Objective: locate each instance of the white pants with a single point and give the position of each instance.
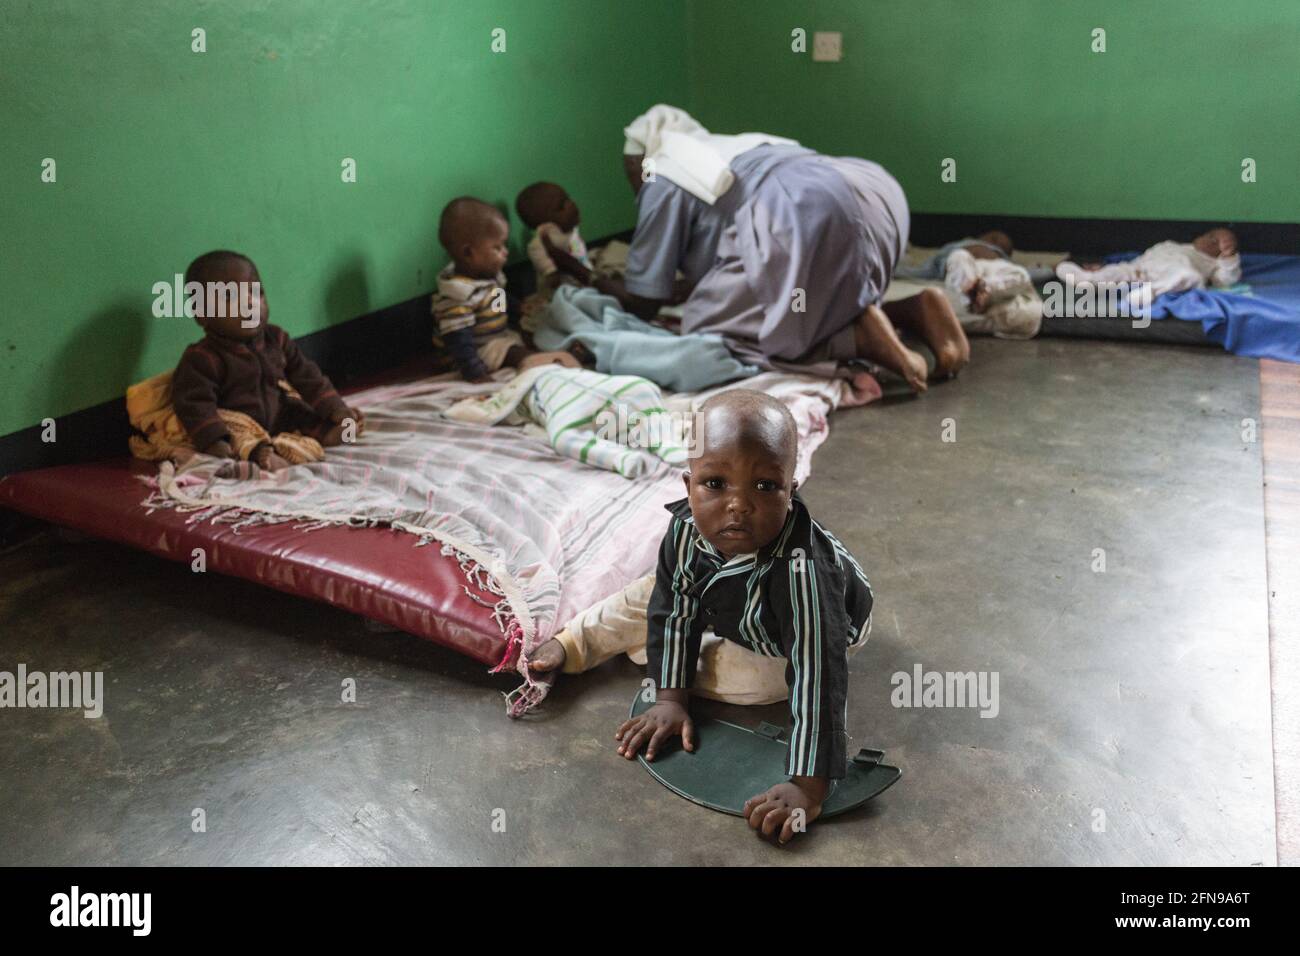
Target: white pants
(727, 671)
(493, 352)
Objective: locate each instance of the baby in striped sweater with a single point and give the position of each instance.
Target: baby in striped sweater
(470, 306)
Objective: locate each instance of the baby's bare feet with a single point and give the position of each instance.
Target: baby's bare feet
(548, 358)
(547, 657)
(270, 461)
(978, 296)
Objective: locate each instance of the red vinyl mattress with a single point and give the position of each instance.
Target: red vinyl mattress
(375, 572)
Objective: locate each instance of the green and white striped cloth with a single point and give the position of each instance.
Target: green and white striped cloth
(615, 422)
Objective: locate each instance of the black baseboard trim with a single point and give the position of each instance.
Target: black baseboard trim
(365, 346)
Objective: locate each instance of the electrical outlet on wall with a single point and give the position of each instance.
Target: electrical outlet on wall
(828, 47)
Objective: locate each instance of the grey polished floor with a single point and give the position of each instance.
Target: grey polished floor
(1133, 704)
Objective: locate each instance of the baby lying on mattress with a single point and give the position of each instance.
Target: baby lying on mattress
(991, 294)
(244, 391)
(1211, 259)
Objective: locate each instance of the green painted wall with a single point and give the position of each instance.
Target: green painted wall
(1154, 128)
(163, 153)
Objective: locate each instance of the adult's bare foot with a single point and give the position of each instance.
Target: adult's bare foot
(547, 657)
(876, 341)
(930, 317)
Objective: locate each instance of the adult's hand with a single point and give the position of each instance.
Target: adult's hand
(644, 309)
(567, 263)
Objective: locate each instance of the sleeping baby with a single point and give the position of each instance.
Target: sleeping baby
(990, 293)
(1211, 259)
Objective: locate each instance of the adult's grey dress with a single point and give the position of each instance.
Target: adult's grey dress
(785, 260)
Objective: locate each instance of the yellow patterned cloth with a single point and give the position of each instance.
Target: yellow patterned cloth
(162, 436)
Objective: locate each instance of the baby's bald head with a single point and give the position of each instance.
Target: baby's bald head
(464, 220)
(741, 478)
(475, 234)
(749, 419)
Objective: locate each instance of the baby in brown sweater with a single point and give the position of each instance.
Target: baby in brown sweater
(245, 364)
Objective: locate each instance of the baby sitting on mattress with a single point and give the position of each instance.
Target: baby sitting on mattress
(753, 602)
(247, 366)
(547, 209)
(470, 306)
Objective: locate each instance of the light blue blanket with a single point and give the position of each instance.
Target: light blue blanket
(625, 345)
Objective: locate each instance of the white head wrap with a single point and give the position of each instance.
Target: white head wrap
(682, 151)
(645, 134)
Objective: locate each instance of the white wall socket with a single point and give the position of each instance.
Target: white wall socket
(828, 47)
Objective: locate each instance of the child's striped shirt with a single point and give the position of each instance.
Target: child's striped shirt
(802, 597)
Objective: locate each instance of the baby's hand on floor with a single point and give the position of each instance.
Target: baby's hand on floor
(220, 449)
(787, 808)
(656, 727)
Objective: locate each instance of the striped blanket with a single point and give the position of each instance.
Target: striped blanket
(615, 422)
(552, 535)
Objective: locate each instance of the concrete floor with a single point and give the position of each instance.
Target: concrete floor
(1141, 692)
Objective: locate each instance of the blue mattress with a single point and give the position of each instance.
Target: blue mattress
(1260, 317)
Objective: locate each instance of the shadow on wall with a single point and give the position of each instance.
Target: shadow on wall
(346, 296)
(107, 347)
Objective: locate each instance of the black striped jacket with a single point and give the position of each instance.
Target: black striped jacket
(802, 597)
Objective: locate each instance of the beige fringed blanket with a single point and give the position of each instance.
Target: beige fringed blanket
(548, 535)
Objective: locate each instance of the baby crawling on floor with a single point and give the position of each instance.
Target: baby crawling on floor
(753, 601)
